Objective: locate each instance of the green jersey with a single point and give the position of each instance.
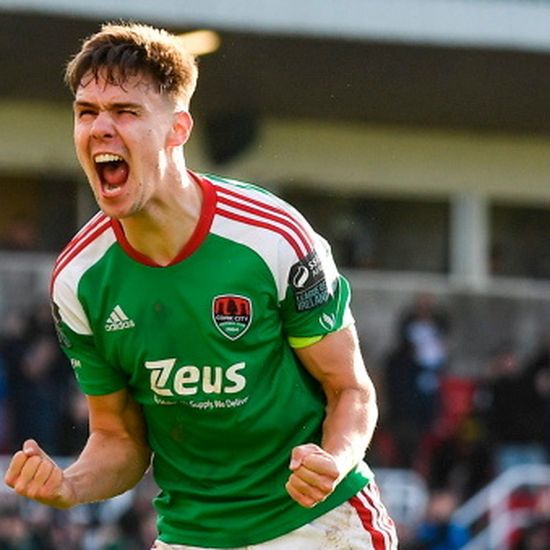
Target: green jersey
(203, 346)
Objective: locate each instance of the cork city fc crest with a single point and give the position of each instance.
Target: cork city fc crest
(232, 314)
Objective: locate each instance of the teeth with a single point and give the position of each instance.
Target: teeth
(107, 157)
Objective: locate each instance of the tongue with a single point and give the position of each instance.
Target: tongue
(115, 173)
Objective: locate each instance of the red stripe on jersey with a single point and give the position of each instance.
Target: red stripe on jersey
(281, 215)
(275, 218)
(366, 514)
(195, 240)
(250, 221)
(100, 217)
(82, 243)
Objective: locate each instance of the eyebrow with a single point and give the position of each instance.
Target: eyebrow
(110, 106)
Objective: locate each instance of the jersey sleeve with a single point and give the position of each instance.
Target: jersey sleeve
(317, 297)
(93, 374)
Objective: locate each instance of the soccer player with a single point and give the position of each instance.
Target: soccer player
(209, 328)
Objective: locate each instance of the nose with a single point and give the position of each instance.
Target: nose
(103, 127)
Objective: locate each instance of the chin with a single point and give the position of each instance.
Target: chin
(112, 211)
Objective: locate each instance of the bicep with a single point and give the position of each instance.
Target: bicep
(336, 362)
(116, 414)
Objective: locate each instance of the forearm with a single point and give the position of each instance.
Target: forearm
(349, 425)
(351, 411)
(108, 466)
(350, 419)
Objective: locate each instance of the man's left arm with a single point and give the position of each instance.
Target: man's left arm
(351, 416)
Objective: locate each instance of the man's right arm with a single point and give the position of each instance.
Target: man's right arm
(114, 459)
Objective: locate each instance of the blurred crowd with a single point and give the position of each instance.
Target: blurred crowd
(458, 434)
(124, 523)
(39, 399)
(461, 433)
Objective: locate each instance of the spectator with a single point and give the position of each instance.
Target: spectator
(538, 370)
(4, 430)
(513, 411)
(19, 234)
(426, 328)
(461, 460)
(74, 423)
(12, 348)
(437, 531)
(400, 374)
(37, 375)
(14, 533)
(536, 536)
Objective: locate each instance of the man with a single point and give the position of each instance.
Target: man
(209, 328)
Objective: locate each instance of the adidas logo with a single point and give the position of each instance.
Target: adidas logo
(118, 320)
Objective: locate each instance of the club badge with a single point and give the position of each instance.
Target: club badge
(232, 315)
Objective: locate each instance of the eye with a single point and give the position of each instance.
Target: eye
(130, 112)
(82, 113)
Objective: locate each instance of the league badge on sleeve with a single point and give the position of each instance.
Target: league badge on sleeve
(232, 314)
(307, 280)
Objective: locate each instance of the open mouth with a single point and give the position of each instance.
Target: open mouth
(113, 172)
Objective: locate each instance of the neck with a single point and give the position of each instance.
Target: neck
(161, 230)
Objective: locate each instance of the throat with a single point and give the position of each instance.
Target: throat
(114, 174)
(162, 245)
(168, 227)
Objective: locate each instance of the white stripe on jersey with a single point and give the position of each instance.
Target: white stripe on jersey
(67, 279)
(290, 233)
(270, 207)
(93, 224)
(268, 245)
(277, 250)
(381, 522)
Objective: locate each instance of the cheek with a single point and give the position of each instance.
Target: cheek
(81, 150)
(79, 138)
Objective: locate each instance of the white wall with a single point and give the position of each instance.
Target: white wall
(37, 137)
(513, 24)
(393, 160)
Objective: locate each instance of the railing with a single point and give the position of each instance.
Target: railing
(105, 512)
(491, 506)
(478, 323)
(24, 279)
(404, 493)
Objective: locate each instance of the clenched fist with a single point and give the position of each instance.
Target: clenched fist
(33, 474)
(314, 477)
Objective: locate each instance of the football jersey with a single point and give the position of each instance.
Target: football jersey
(202, 344)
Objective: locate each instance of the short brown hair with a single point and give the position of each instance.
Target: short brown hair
(122, 50)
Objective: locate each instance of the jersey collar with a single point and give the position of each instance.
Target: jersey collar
(199, 234)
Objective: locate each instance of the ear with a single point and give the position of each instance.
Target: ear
(181, 129)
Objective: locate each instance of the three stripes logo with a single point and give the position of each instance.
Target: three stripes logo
(118, 320)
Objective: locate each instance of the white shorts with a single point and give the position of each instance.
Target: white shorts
(362, 523)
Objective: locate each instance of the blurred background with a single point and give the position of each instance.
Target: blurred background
(415, 136)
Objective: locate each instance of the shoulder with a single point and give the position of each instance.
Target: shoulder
(274, 230)
(243, 208)
(83, 250)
